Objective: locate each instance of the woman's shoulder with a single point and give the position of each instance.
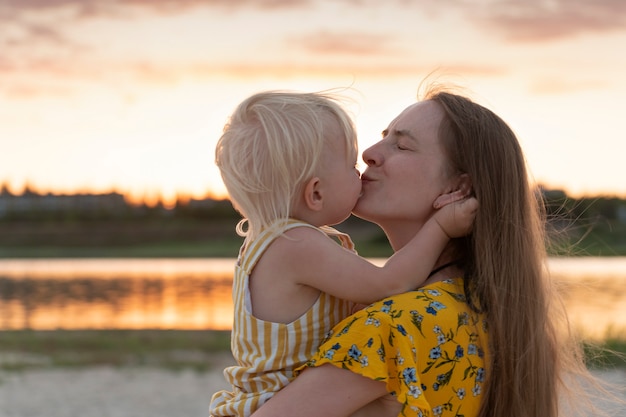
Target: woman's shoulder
(449, 289)
(432, 309)
(435, 302)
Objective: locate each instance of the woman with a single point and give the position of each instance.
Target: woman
(491, 346)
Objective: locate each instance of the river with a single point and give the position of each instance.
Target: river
(194, 294)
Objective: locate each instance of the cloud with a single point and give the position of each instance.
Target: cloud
(329, 70)
(29, 35)
(23, 8)
(185, 4)
(47, 33)
(558, 86)
(541, 20)
(514, 20)
(120, 8)
(352, 43)
(28, 90)
(44, 54)
(51, 78)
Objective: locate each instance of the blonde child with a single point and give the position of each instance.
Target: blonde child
(288, 161)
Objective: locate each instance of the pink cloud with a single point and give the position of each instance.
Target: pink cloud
(556, 85)
(540, 20)
(352, 43)
(92, 8)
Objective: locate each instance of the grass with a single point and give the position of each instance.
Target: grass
(169, 349)
(226, 247)
(215, 248)
(608, 354)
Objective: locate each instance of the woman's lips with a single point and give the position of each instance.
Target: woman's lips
(366, 179)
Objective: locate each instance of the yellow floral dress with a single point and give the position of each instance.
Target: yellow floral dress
(428, 346)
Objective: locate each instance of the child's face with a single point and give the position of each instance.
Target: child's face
(343, 180)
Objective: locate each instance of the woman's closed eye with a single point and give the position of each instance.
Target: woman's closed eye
(401, 145)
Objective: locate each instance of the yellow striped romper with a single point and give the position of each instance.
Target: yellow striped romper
(268, 353)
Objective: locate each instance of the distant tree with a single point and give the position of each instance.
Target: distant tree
(5, 189)
(28, 190)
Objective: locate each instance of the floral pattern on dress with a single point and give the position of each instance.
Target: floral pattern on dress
(427, 345)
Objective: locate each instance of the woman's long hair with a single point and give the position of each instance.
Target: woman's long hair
(505, 264)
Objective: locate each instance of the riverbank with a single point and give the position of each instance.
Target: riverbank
(99, 391)
(137, 373)
(174, 350)
(149, 238)
(105, 390)
(160, 349)
(171, 237)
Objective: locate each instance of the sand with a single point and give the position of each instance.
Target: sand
(109, 392)
(129, 392)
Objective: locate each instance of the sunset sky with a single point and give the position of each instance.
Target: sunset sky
(131, 95)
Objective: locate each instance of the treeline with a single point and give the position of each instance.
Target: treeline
(559, 204)
(576, 226)
(561, 208)
(111, 206)
(585, 226)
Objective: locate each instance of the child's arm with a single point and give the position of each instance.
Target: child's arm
(320, 263)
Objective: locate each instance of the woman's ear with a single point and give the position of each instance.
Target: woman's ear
(313, 194)
(464, 184)
(462, 188)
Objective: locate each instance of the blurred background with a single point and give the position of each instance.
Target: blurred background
(131, 96)
(116, 235)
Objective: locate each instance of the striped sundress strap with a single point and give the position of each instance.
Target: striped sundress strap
(252, 253)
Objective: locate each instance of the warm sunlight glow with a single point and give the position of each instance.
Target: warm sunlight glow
(110, 100)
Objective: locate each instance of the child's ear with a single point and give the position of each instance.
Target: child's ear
(313, 194)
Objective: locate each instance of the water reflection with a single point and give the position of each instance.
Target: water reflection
(115, 294)
(594, 292)
(195, 294)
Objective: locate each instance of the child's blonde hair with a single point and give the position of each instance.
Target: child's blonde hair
(271, 146)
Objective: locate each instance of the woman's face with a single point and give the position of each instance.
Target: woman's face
(407, 171)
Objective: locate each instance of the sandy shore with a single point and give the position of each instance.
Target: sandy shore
(110, 392)
(130, 392)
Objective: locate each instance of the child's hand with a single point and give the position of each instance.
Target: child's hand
(456, 218)
(449, 198)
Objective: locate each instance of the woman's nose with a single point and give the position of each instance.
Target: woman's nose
(372, 156)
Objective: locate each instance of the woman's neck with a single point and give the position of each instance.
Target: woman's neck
(399, 236)
(445, 271)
